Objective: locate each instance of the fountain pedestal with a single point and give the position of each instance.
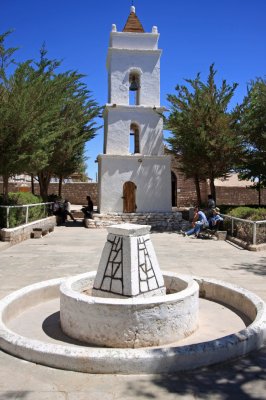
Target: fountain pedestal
(128, 265)
(129, 303)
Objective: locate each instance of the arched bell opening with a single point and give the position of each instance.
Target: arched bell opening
(134, 88)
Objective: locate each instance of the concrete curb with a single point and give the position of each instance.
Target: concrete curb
(245, 245)
(136, 361)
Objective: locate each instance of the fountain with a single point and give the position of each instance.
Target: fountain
(129, 317)
(126, 304)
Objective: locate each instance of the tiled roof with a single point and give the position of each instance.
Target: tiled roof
(133, 24)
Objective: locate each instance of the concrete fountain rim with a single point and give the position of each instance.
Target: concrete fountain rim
(135, 361)
(68, 287)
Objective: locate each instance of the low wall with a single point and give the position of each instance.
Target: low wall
(171, 221)
(23, 232)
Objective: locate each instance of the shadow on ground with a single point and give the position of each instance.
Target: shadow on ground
(244, 379)
(258, 268)
(17, 394)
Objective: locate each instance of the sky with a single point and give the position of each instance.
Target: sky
(193, 35)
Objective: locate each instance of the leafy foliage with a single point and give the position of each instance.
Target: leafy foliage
(17, 216)
(253, 129)
(203, 131)
(250, 213)
(46, 118)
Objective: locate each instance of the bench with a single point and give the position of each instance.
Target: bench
(37, 233)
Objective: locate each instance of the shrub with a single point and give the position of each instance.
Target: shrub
(244, 230)
(17, 216)
(252, 214)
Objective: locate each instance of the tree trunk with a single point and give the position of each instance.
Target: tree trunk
(259, 190)
(213, 190)
(60, 185)
(32, 184)
(197, 186)
(44, 180)
(5, 188)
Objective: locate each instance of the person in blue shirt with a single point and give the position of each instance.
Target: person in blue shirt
(215, 219)
(199, 222)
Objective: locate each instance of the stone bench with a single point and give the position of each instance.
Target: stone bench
(39, 232)
(36, 233)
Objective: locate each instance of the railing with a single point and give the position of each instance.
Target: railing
(252, 232)
(12, 216)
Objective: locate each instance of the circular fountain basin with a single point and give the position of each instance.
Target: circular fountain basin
(163, 359)
(130, 322)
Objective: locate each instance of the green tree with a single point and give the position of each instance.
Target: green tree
(253, 129)
(67, 125)
(204, 133)
(25, 104)
(7, 144)
(46, 119)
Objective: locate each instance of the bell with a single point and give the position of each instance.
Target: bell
(134, 85)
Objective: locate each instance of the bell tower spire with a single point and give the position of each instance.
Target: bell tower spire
(134, 173)
(133, 24)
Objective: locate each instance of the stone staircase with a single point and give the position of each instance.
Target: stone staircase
(159, 221)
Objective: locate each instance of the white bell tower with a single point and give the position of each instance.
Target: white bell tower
(134, 173)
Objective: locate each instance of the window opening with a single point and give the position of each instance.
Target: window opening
(134, 139)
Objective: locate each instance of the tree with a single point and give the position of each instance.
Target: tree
(67, 125)
(46, 119)
(204, 133)
(7, 144)
(253, 129)
(24, 106)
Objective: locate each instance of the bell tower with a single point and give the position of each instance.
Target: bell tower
(134, 173)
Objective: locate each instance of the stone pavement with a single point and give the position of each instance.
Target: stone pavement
(71, 250)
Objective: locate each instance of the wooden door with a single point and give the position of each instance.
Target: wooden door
(129, 196)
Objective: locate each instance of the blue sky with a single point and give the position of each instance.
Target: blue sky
(193, 34)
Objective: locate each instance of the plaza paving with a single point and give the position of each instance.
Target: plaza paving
(71, 250)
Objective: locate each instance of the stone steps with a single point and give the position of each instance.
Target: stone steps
(159, 221)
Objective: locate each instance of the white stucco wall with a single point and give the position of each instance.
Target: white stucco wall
(146, 62)
(117, 130)
(152, 177)
(132, 40)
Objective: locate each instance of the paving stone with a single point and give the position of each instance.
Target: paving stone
(69, 251)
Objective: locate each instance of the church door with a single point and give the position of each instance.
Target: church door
(129, 196)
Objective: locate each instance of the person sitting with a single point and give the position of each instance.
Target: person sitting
(67, 211)
(216, 219)
(199, 222)
(210, 206)
(58, 210)
(88, 210)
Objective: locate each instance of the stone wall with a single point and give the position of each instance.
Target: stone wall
(186, 194)
(228, 195)
(171, 221)
(75, 192)
(239, 196)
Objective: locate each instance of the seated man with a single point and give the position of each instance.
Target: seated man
(199, 222)
(210, 206)
(88, 211)
(216, 219)
(67, 211)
